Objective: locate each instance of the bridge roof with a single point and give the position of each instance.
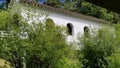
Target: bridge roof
(66, 12)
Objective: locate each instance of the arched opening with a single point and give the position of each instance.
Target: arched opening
(49, 23)
(70, 29)
(86, 31)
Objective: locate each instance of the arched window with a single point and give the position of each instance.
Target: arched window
(70, 28)
(50, 23)
(86, 31)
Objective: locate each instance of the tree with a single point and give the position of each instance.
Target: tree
(49, 48)
(34, 45)
(101, 49)
(96, 11)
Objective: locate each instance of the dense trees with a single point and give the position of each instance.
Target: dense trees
(43, 45)
(99, 12)
(81, 6)
(101, 50)
(4, 4)
(34, 45)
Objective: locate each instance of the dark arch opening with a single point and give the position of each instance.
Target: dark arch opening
(70, 29)
(86, 31)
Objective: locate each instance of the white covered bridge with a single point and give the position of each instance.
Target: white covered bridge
(76, 23)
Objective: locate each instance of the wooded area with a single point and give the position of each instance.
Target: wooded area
(86, 8)
(79, 6)
(43, 44)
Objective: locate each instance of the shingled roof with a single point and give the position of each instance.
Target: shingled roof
(63, 11)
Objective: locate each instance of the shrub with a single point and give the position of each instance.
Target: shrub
(34, 45)
(5, 64)
(99, 50)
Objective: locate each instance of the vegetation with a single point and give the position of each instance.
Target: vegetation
(101, 50)
(34, 45)
(99, 12)
(81, 6)
(86, 8)
(43, 44)
(4, 4)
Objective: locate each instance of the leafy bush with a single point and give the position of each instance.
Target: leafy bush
(5, 64)
(34, 45)
(48, 46)
(68, 63)
(100, 50)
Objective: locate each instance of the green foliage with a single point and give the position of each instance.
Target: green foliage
(96, 11)
(70, 6)
(48, 46)
(53, 2)
(35, 45)
(49, 23)
(4, 17)
(67, 5)
(101, 50)
(113, 61)
(87, 8)
(43, 45)
(67, 63)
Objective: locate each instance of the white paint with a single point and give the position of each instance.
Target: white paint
(63, 20)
